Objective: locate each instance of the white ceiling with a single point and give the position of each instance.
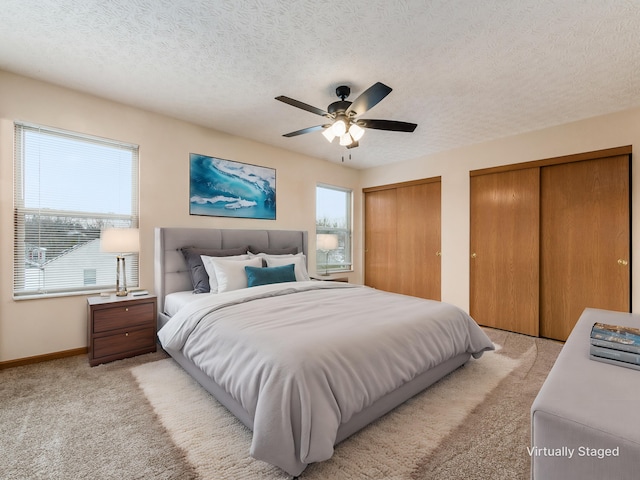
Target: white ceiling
(466, 71)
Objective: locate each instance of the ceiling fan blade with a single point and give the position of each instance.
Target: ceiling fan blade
(305, 130)
(392, 125)
(369, 98)
(302, 105)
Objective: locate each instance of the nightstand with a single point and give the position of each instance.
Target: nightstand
(120, 327)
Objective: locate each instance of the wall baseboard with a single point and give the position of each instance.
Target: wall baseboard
(43, 358)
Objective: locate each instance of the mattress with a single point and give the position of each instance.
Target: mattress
(176, 300)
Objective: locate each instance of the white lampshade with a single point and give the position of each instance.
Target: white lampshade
(326, 241)
(356, 131)
(328, 134)
(346, 139)
(339, 128)
(120, 240)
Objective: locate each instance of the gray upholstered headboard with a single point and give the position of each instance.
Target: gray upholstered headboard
(170, 268)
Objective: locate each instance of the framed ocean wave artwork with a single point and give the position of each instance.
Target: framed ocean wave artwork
(224, 188)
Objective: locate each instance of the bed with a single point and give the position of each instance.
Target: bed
(304, 364)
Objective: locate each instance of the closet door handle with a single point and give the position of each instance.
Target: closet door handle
(438, 254)
(622, 262)
(474, 255)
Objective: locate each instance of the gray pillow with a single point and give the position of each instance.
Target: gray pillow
(199, 277)
(273, 251)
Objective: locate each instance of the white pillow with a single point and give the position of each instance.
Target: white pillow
(299, 260)
(231, 275)
(265, 255)
(208, 266)
(268, 255)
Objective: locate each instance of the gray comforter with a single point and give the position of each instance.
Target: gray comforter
(303, 357)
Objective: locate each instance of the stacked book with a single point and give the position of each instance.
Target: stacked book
(616, 345)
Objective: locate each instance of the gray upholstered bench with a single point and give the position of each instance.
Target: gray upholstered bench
(585, 421)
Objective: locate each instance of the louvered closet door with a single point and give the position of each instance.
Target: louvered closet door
(505, 250)
(585, 241)
(380, 239)
(418, 256)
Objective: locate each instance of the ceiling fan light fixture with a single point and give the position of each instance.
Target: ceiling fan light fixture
(339, 127)
(328, 134)
(356, 132)
(346, 139)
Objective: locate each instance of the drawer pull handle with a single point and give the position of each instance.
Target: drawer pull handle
(126, 334)
(126, 309)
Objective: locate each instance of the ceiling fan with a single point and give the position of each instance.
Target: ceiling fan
(342, 116)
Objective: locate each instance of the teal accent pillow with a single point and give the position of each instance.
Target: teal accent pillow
(264, 276)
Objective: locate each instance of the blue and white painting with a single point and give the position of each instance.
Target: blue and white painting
(224, 188)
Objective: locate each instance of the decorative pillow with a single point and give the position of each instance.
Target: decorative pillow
(230, 273)
(298, 260)
(211, 271)
(265, 276)
(273, 251)
(264, 256)
(199, 277)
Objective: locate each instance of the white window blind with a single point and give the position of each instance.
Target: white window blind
(67, 187)
(333, 217)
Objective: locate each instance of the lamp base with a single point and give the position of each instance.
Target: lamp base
(121, 290)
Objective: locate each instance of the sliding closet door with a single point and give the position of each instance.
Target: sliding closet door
(380, 239)
(418, 224)
(585, 238)
(402, 237)
(505, 250)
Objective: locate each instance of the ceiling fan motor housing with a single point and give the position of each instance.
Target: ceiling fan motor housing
(341, 106)
(338, 107)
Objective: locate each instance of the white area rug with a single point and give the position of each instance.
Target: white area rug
(217, 444)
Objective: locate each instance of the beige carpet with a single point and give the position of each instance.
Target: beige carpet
(65, 420)
(492, 441)
(217, 445)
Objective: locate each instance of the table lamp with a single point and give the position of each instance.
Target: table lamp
(121, 241)
(325, 242)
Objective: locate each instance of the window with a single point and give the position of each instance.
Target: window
(67, 187)
(90, 276)
(333, 229)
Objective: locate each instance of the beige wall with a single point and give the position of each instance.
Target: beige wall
(36, 327)
(41, 326)
(598, 133)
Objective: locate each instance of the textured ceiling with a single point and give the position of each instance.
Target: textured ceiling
(466, 71)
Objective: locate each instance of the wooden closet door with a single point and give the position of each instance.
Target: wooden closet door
(418, 255)
(380, 239)
(505, 250)
(585, 237)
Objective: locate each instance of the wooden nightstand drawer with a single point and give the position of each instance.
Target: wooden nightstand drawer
(123, 316)
(129, 341)
(120, 327)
